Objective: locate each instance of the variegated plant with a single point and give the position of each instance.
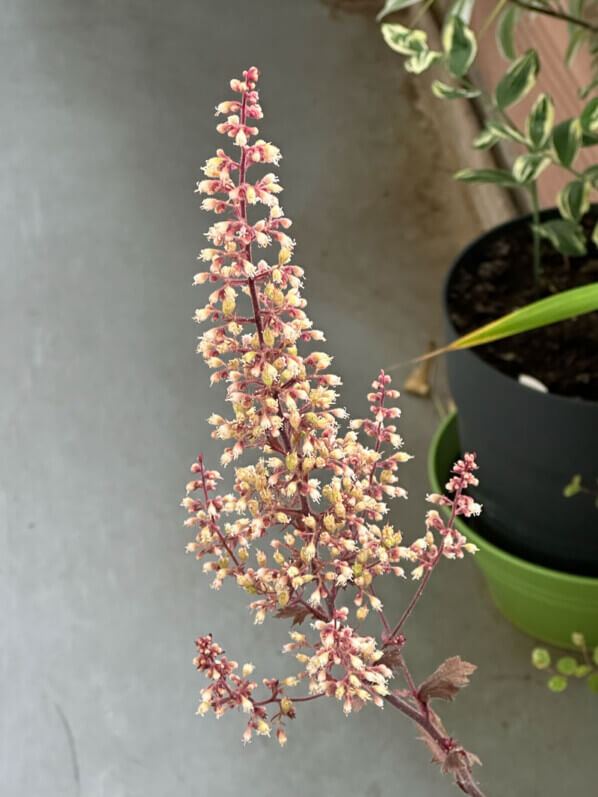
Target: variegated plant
(546, 143)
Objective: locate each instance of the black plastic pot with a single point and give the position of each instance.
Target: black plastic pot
(529, 445)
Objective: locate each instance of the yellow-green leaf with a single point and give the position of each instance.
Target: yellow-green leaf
(459, 45)
(518, 79)
(567, 304)
(539, 123)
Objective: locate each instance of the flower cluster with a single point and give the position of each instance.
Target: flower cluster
(307, 521)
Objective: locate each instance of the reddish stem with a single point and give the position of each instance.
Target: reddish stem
(463, 776)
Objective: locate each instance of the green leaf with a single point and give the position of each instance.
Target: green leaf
(419, 62)
(566, 665)
(591, 174)
(593, 682)
(571, 489)
(595, 656)
(394, 5)
(575, 40)
(574, 199)
(507, 132)
(566, 236)
(566, 304)
(403, 40)
(505, 32)
(540, 658)
(540, 121)
(582, 670)
(588, 118)
(588, 139)
(459, 44)
(498, 176)
(518, 79)
(527, 167)
(486, 139)
(557, 683)
(566, 140)
(446, 92)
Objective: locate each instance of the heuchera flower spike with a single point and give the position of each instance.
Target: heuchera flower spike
(309, 517)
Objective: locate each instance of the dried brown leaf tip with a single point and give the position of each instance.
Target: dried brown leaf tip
(452, 675)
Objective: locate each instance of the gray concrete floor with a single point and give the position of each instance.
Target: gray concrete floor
(106, 119)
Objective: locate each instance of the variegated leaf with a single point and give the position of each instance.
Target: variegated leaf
(518, 80)
(540, 121)
(446, 92)
(566, 236)
(505, 31)
(566, 141)
(589, 117)
(459, 44)
(394, 5)
(574, 200)
(498, 176)
(527, 167)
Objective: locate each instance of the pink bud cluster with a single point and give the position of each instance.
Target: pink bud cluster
(307, 522)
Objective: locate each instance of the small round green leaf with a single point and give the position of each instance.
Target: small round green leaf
(566, 141)
(557, 683)
(518, 79)
(540, 121)
(566, 665)
(582, 670)
(569, 491)
(589, 117)
(593, 682)
(459, 44)
(577, 637)
(540, 658)
(574, 199)
(566, 236)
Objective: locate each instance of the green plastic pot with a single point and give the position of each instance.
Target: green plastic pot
(546, 604)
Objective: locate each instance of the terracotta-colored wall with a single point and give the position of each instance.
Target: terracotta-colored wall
(549, 38)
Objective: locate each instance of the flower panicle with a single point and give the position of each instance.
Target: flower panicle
(307, 522)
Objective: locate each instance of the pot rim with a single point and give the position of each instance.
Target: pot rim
(510, 559)
(505, 225)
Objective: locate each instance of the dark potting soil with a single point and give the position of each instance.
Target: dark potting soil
(497, 278)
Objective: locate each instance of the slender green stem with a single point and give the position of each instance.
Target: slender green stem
(533, 190)
(582, 23)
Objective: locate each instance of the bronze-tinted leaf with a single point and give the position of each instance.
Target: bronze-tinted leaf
(446, 680)
(297, 613)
